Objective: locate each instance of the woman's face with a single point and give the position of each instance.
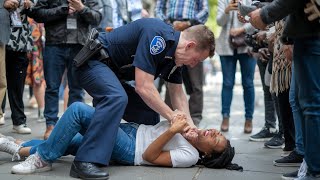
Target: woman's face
(211, 140)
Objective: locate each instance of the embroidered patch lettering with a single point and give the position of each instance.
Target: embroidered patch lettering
(157, 45)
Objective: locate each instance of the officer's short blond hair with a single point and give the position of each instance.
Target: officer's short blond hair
(203, 36)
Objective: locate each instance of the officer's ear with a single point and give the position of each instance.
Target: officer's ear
(190, 45)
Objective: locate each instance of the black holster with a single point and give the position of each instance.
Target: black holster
(92, 47)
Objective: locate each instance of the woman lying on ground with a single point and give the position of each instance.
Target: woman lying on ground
(160, 145)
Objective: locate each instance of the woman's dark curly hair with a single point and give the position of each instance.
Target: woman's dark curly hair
(220, 160)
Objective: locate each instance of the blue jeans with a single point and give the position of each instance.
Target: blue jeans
(297, 114)
(56, 59)
(66, 137)
(306, 56)
(228, 65)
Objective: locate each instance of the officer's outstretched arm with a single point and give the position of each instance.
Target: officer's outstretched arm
(179, 100)
(148, 92)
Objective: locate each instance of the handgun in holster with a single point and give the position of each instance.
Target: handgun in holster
(91, 48)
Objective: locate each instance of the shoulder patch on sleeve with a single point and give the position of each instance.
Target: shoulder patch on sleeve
(157, 45)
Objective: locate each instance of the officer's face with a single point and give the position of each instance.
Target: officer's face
(190, 56)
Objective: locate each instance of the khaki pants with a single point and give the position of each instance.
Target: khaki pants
(3, 81)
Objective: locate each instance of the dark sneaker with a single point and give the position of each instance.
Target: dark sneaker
(264, 135)
(293, 159)
(290, 176)
(276, 142)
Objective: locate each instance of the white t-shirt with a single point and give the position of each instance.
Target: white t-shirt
(182, 153)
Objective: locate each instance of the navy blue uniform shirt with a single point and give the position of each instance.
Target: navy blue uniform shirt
(148, 44)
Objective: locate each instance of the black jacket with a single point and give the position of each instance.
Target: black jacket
(297, 24)
(54, 13)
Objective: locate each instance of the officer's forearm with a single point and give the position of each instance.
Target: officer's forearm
(179, 100)
(151, 97)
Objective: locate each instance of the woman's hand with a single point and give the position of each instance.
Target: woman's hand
(177, 114)
(232, 6)
(179, 124)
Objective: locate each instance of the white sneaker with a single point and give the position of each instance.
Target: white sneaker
(2, 121)
(8, 137)
(10, 147)
(21, 129)
(303, 169)
(32, 164)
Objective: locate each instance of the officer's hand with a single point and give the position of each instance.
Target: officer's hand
(76, 5)
(255, 19)
(11, 4)
(177, 114)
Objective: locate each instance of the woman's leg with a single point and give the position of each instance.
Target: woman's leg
(75, 119)
(29, 147)
(248, 65)
(228, 66)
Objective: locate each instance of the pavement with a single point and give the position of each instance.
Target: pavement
(256, 160)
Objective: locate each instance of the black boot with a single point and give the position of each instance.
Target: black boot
(87, 170)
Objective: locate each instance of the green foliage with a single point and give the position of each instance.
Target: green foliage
(212, 23)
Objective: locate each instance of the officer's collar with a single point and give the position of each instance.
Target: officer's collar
(172, 50)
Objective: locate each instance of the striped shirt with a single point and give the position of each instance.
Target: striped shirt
(196, 10)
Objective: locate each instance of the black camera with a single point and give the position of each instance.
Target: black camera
(251, 40)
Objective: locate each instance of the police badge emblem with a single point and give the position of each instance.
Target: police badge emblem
(157, 45)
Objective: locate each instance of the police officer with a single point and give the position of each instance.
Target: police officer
(139, 51)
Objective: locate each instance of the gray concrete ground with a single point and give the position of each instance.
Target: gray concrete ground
(256, 160)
